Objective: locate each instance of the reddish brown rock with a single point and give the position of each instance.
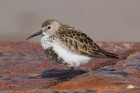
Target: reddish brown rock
(112, 78)
(134, 90)
(24, 66)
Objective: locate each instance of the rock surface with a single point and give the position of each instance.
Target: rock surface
(24, 68)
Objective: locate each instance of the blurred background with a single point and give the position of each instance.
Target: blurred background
(102, 20)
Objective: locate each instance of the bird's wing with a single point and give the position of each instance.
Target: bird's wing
(80, 43)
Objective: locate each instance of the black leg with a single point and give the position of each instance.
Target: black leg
(70, 72)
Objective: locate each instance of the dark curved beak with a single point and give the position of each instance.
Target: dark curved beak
(36, 34)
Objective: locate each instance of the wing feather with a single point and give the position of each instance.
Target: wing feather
(80, 43)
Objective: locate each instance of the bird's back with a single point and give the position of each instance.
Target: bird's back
(78, 42)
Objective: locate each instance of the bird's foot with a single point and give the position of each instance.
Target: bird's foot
(64, 78)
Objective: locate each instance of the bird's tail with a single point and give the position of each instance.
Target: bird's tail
(110, 55)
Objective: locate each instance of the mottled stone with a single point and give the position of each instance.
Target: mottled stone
(111, 78)
(24, 68)
(49, 91)
(134, 90)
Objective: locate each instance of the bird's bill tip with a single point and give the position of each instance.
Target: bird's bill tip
(35, 34)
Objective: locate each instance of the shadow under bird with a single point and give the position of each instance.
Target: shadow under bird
(68, 46)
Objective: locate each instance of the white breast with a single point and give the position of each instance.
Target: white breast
(68, 56)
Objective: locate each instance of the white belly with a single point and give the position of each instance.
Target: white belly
(68, 56)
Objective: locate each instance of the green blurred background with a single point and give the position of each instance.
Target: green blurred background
(102, 20)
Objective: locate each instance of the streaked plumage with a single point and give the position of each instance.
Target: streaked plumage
(69, 46)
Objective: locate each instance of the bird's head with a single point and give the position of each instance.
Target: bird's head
(48, 27)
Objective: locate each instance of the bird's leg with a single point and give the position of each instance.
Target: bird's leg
(70, 72)
(69, 75)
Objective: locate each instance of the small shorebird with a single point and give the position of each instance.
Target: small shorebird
(68, 46)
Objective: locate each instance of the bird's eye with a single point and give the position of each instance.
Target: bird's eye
(49, 27)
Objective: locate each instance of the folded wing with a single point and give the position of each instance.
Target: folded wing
(80, 43)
